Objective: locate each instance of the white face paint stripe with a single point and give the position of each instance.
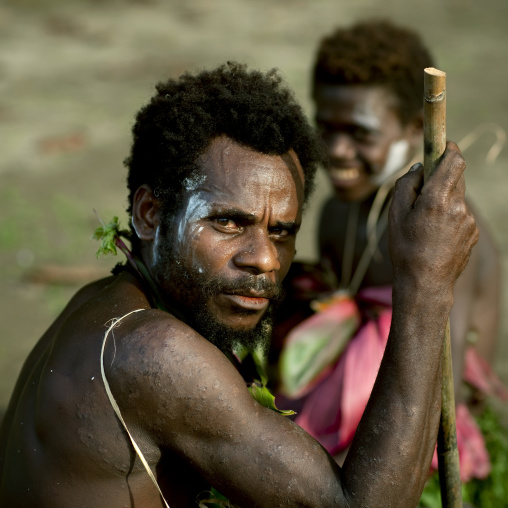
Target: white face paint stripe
(397, 157)
(197, 208)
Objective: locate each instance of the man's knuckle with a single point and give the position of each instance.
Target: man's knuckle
(459, 210)
(436, 203)
(458, 162)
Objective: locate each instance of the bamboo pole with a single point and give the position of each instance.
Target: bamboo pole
(434, 131)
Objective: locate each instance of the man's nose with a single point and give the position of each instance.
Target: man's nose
(341, 146)
(259, 255)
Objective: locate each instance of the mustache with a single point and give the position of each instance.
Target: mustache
(261, 286)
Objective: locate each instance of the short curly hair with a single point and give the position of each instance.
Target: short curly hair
(375, 52)
(253, 108)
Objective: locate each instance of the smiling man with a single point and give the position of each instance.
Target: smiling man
(367, 88)
(134, 396)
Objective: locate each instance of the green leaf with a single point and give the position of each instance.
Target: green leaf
(262, 395)
(214, 499)
(107, 234)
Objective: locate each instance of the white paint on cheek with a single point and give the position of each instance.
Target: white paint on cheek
(196, 209)
(397, 157)
(156, 246)
(188, 228)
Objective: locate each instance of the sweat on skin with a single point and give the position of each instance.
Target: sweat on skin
(185, 403)
(249, 218)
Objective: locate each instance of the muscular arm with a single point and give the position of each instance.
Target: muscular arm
(196, 404)
(404, 433)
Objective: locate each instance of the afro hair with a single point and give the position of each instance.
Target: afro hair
(173, 130)
(376, 52)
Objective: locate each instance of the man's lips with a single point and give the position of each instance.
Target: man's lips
(250, 301)
(344, 177)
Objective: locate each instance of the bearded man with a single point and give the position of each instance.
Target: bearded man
(135, 395)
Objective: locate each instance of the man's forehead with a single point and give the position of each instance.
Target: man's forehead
(361, 99)
(234, 177)
(225, 156)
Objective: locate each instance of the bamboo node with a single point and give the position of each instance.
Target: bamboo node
(435, 98)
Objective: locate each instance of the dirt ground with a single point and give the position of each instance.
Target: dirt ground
(73, 73)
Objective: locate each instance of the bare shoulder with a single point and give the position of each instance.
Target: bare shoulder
(180, 390)
(168, 362)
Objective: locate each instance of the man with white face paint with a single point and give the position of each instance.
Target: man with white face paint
(368, 95)
(148, 390)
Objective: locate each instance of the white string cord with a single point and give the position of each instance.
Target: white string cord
(115, 322)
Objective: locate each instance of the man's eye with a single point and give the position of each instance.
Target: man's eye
(226, 223)
(281, 232)
(361, 134)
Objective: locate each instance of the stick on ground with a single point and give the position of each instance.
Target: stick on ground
(434, 131)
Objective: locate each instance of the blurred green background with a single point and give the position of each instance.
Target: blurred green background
(73, 73)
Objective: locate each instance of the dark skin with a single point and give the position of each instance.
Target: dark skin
(362, 129)
(184, 402)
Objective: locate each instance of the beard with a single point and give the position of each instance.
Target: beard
(228, 339)
(188, 290)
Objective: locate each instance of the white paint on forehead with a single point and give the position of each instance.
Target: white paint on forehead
(364, 114)
(193, 182)
(397, 157)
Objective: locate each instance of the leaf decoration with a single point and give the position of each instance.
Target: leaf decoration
(263, 396)
(214, 499)
(258, 389)
(108, 235)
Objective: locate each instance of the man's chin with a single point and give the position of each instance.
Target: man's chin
(355, 194)
(249, 331)
(242, 322)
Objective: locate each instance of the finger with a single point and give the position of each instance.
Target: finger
(407, 188)
(448, 174)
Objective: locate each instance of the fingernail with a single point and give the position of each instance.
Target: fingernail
(416, 167)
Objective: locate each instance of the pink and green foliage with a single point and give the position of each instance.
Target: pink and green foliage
(313, 346)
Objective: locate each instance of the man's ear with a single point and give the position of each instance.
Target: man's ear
(145, 213)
